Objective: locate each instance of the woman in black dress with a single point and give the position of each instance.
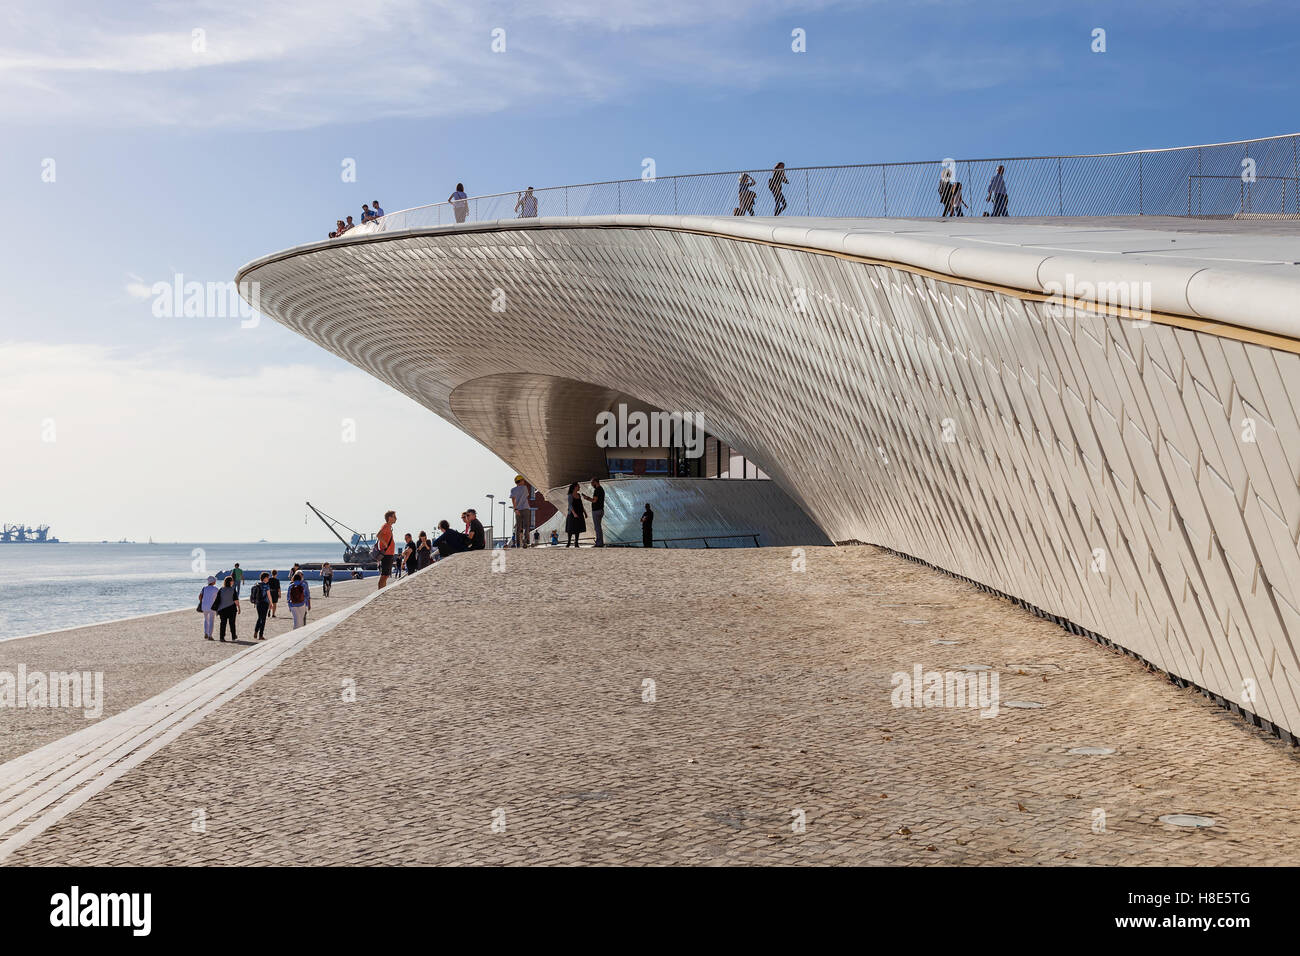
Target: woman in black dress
(648, 527)
(575, 522)
(423, 551)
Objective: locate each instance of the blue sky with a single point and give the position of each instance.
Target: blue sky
(171, 160)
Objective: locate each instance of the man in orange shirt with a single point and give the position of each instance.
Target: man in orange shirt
(387, 547)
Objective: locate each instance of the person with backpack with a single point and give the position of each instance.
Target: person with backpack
(227, 608)
(386, 548)
(299, 600)
(208, 597)
(273, 586)
(260, 595)
(326, 579)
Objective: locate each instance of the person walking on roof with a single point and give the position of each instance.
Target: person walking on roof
(998, 193)
(459, 202)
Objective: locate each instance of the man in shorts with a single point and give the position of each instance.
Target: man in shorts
(387, 547)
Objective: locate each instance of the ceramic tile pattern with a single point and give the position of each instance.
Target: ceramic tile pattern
(1140, 481)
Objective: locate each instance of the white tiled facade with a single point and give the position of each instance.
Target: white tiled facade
(1139, 481)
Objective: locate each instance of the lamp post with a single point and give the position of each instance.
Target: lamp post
(504, 532)
(489, 528)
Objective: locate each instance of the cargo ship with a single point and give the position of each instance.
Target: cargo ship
(22, 534)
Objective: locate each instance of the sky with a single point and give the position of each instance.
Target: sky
(147, 141)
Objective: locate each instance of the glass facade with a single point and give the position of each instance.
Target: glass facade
(719, 460)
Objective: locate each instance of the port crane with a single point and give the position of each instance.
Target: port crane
(22, 534)
(355, 551)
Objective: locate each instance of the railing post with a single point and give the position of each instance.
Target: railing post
(807, 203)
(674, 195)
(884, 188)
(1060, 192)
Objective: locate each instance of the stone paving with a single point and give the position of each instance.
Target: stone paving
(138, 656)
(503, 718)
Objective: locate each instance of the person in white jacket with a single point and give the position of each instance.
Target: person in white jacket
(207, 598)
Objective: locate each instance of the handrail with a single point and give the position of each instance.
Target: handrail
(706, 538)
(1132, 182)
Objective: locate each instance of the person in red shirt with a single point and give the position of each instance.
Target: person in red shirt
(387, 547)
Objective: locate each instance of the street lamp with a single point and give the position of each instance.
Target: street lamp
(504, 527)
(489, 529)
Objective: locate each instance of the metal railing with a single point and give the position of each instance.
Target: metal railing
(1216, 180)
(706, 538)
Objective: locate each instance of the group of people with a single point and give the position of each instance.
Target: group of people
(222, 603)
(776, 184)
(950, 194)
(422, 551)
(368, 214)
(575, 519)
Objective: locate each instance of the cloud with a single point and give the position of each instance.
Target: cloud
(137, 288)
(169, 451)
(285, 64)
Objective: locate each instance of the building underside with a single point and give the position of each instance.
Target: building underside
(1130, 470)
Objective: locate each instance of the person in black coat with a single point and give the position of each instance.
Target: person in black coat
(648, 527)
(575, 522)
(450, 542)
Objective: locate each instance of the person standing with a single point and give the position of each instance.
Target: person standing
(227, 608)
(238, 575)
(207, 598)
(597, 499)
(326, 579)
(375, 207)
(459, 202)
(423, 551)
(775, 184)
(409, 556)
(575, 522)
(299, 600)
(526, 204)
(260, 595)
(387, 547)
(523, 511)
(477, 533)
(274, 585)
(648, 527)
(998, 193)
